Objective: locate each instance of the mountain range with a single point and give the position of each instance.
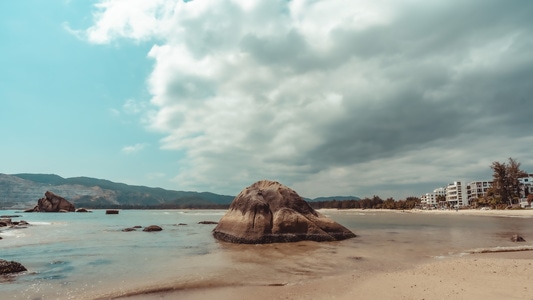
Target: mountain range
(21, 191)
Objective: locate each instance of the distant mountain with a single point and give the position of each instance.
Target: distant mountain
(338, 198)
(20, 191)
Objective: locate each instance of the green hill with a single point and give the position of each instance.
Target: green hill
(23, 191)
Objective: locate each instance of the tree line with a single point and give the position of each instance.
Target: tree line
(368, 203)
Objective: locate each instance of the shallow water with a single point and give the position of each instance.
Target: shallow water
(86, 255)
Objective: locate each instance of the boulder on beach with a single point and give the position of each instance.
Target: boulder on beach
(517, 238)
(9, 267)
(269, 212)
(52, 203)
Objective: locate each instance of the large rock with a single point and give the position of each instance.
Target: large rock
(52, 203)
(269, 212)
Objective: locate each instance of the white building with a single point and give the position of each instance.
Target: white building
(456, 195)
(476, 189)
(526, 187)
(430, 199)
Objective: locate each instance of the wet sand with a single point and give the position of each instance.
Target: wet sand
(480, 276)
(497, 275)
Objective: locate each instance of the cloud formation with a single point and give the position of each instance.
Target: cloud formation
(329, 97)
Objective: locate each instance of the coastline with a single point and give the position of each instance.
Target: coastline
(518, 213)
(505, 273)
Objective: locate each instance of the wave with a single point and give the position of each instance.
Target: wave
(13, 233)
(213, 213)
(501, 249)
(40, 223)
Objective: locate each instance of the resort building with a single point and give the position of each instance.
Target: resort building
(456, 195)
(430, 200)
(525, 185)
(459, 194)
(476, 189)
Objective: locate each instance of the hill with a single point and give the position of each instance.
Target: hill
(331, 198)
(20, 191)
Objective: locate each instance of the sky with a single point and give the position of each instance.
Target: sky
(371, 97)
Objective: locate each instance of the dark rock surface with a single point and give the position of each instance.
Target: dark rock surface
(5, 222)
(517, 238)
(9, 267)
(207, 222)
(269, 212)
(52, 203)
(152, 228)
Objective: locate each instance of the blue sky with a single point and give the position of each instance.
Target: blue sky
(393, 98)
(63, 98)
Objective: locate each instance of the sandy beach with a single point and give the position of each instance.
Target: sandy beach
(497, 275)
(479, 276)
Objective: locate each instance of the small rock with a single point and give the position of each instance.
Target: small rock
(207, 222)
(152, 228)
(517, 238)
(8, 267)
(5, 222)
(82, 210)
(137, 226)
(129, 229)
(111, 212)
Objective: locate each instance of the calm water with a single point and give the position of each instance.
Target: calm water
(86, 255)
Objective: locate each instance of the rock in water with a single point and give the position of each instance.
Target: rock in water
(152, 228)
(8, 267)
(52, 203)
(269, 212)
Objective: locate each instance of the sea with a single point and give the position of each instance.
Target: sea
(88, 256)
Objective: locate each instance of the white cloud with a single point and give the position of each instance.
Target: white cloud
(134, 148)
(328, 96)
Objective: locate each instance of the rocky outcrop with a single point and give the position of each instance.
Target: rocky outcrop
(52, 203)
(269, 212)
(9, 267)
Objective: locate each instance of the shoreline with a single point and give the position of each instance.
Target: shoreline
(517, 213)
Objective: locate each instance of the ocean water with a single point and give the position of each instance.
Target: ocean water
(87, 256)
